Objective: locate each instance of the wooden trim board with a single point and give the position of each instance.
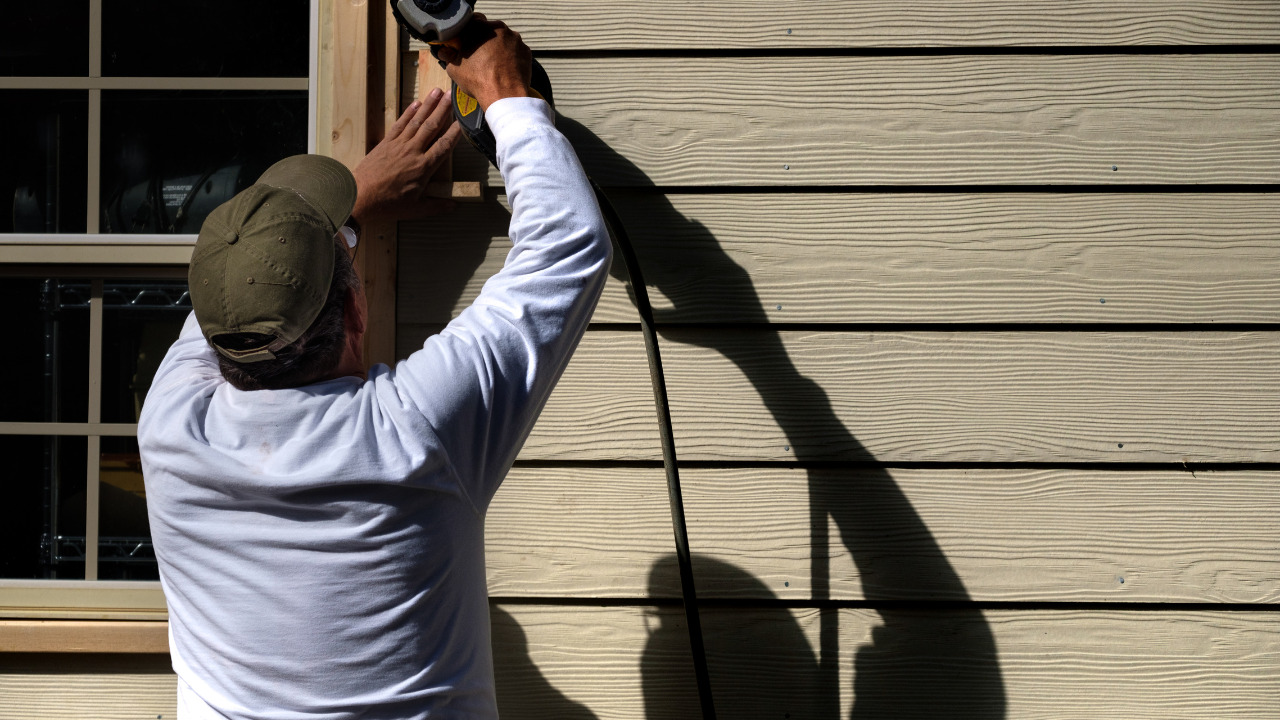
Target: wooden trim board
(83, 636)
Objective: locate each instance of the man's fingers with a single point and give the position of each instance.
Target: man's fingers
(429, 105)
(433, 125)
(402, 122)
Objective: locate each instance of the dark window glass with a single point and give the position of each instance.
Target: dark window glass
(206, 38)
(49, 365)
(141, 319)
(171, 157)
(44, 38)
(124, 535)
(42, 517)
(44, 150)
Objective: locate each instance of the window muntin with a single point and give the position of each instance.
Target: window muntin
(100, 532)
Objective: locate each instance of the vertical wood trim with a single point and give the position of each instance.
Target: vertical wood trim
(346, 47)
(431, 75)
(358, 97)
(313, 77)
(391, 70)
(377, 259)
(325, 78)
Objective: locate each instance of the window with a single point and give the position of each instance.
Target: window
(125, 123)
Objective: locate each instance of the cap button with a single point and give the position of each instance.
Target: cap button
(232, 240)
(250, 281)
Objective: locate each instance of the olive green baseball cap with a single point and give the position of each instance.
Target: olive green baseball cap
(263, 261)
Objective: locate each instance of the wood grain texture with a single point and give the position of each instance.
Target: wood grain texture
(342, 119)
(907, 397)
(767, 663)
(579, 532)
(762, 25)
(602, 408)
(83, 636)
(899, 258)
(633, 662)
(898, 534)
(87, 687)
(982, 397)
(920, 120)
(984, 534)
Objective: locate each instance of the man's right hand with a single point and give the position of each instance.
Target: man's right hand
(491, 62)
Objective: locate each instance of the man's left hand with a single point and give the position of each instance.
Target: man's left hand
(391, 181)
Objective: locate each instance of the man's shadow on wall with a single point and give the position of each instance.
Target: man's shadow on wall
(921, 662)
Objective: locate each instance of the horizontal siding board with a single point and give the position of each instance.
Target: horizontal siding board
(986, 535)
(579, 532)
(899, 258)
(632, 663)
(1022, 535)
(927, 396)
(87, 687)
(919, 120)
(764, 25)
(981, 397)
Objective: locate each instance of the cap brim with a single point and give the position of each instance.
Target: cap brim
(322, 181)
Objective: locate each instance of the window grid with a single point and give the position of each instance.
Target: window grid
(33, 247)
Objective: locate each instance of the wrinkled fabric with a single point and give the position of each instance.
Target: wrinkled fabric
(321, 548)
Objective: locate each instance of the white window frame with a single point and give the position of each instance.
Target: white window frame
(97, 255)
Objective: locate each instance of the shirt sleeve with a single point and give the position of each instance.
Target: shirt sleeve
(482, 382)
(189, 358)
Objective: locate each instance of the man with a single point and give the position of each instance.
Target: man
(319, 529)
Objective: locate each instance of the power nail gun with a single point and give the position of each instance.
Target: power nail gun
(440, 22)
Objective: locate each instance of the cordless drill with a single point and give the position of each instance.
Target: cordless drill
(440, 22)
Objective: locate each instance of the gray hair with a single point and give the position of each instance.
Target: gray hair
(313, 355)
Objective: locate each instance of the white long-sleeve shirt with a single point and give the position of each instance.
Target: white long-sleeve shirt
(321, 548)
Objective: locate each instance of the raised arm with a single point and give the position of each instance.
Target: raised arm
(482, 382)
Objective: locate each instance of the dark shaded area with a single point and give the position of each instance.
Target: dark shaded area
(42, 521)
(205, 38)
(44, 143)
(162, 176)
(761, 664)
(87, 664)
(49, 319)
(921, 664)
(43, 497)
(520, 685)
(44, 39)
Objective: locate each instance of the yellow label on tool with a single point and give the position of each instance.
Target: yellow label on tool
(466, 103)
